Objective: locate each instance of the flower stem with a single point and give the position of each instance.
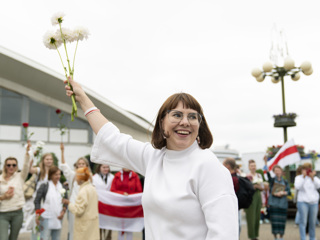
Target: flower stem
(65, 70)
(74, 57)
(74, 105)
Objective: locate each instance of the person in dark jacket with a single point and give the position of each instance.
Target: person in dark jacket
(52, 193)
(277, 201)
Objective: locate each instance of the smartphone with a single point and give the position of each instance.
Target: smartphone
(309, 171)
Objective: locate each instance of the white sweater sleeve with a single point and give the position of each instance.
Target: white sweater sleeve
(121, 150)
(67, 172)
(218, 201)
(316, 182)
(298, 182)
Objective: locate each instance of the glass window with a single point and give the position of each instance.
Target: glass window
(10, 110)
(77, 123)
(8, 93)
(55, 118)
(38, 114)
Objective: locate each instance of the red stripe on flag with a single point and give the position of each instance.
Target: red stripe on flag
(285, 153)
(120, 211)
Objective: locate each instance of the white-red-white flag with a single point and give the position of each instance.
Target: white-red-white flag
(119, 212)
(287, 155)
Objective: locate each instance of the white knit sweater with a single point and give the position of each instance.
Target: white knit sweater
(187, 195)
(16, 181)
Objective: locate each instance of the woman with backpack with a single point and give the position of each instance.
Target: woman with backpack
(277, 201)
(41, 176)
(51, 195)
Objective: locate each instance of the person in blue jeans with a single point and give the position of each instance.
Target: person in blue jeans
(308, 198)
(50, 195)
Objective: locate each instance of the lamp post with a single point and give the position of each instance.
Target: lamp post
(277, 74)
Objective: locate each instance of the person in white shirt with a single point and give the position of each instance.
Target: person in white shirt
(102, 179)
(308, 199)
(12, 197)
(41, 171)
(188, 193)
(74, 187)
(49, 197)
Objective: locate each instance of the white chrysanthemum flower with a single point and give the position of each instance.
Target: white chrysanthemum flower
(57, 18)
(81, 33)
(68, 34)
(40, 144)
(51, 40)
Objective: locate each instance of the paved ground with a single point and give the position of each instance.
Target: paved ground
(291, 233)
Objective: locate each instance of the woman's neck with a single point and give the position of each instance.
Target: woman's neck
(9, 175)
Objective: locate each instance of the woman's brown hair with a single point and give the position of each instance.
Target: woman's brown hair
(52, 171)
(98, 168)
(4, 172)
(158, 140)
(42, 167)
(277, 166)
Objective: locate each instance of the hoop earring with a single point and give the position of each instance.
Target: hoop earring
(198, 140)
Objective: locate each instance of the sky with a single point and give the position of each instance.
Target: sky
(140, 52)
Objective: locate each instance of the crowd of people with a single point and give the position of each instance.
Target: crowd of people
(187, 193)
(270, 202)
(51, 201)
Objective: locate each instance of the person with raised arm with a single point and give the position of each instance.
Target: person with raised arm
(11, 196)
(74, 187)
(307, 183)
(41, 171)
(278, 202)
(188, 193)
(85, 208)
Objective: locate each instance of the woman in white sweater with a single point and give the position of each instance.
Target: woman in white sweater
(188, 193)
(307, 184)
(12, 197)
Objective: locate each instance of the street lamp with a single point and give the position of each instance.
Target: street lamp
(277, 74)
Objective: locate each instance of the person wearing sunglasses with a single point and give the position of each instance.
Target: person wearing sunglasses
(12, 197)
(188, 194)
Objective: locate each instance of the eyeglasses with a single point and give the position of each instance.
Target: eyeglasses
(177, 116)
(11, 165)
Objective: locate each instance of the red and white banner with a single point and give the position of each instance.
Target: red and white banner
(287, 155)
(119, 212)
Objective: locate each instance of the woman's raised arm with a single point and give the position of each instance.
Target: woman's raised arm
(95, 119)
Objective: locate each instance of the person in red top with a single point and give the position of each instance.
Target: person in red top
(230, 164)
(126, 182)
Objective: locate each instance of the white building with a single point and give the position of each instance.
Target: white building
(31, 92)
(223, 152)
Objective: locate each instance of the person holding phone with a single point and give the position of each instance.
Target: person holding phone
(308, 198)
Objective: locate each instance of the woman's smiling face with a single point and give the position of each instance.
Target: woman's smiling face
(182, 134)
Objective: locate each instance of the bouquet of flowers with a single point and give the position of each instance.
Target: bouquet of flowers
(62, 127)
(256, 181)
(62, 36)
(26, 136)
